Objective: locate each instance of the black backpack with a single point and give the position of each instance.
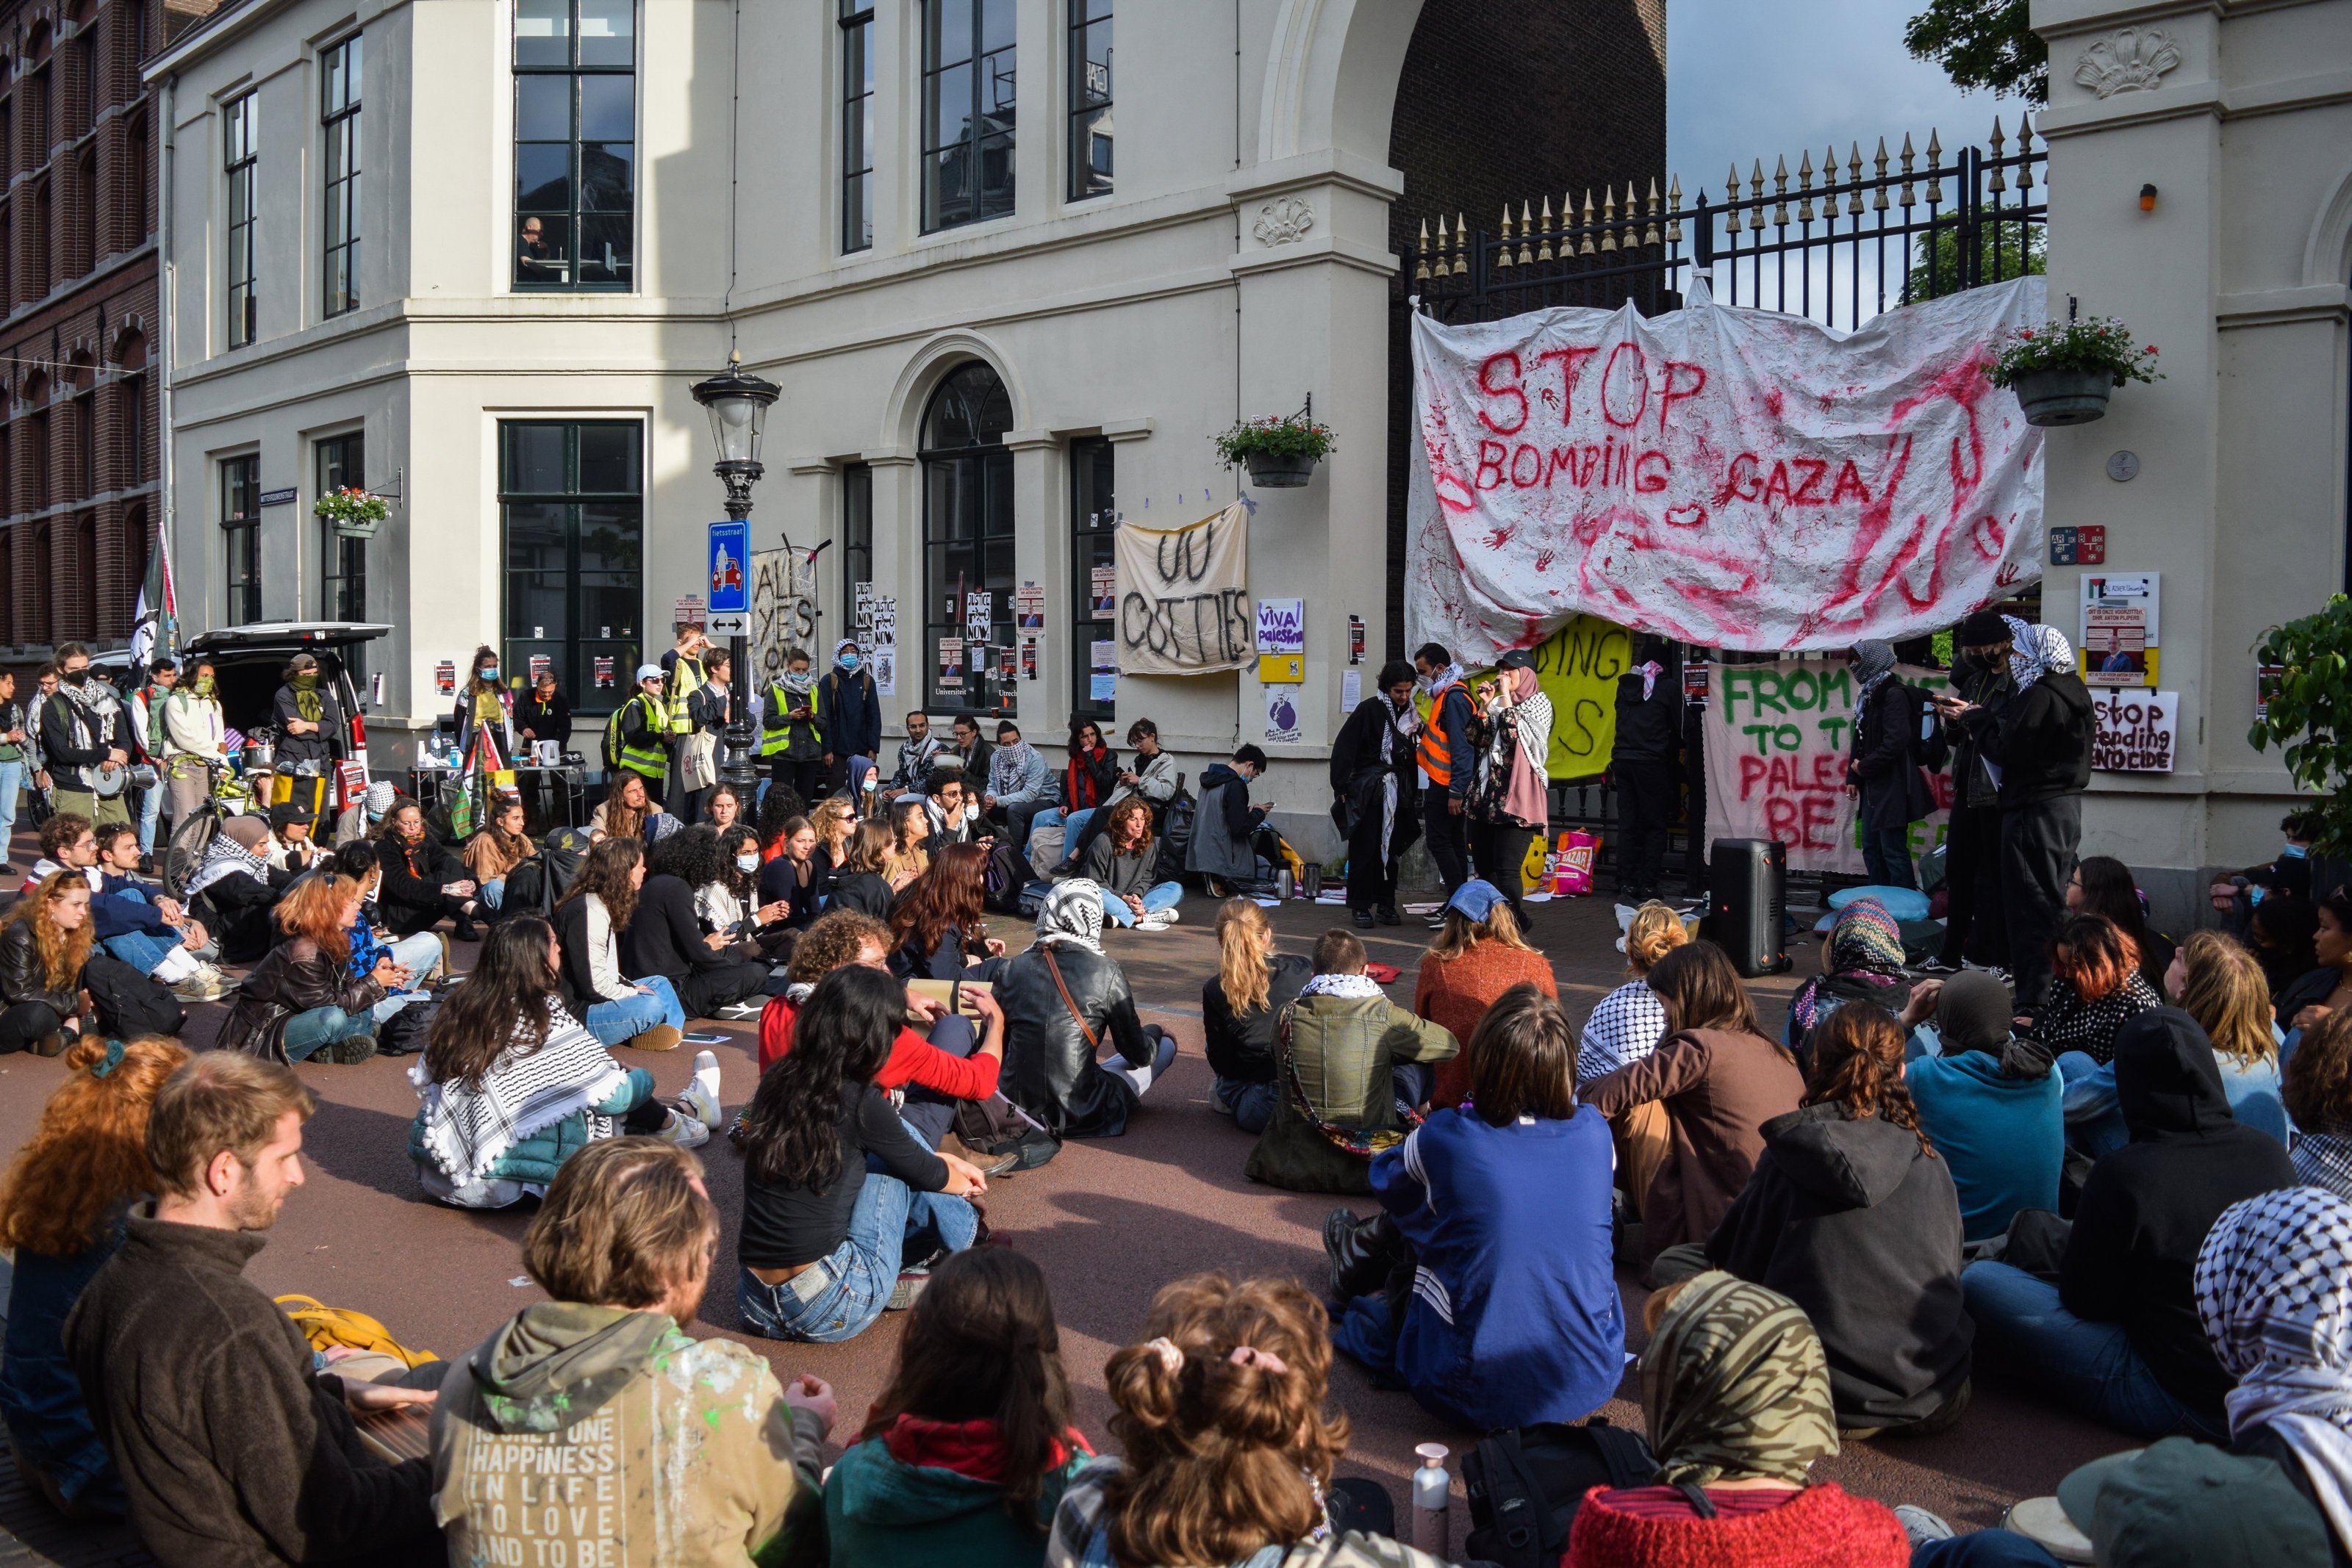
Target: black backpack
(1931, 747)
(1526, 1484)
(130, 1005)
(1176, 820)
(1008, 872)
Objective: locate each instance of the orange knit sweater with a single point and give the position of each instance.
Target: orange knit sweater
(1457, 991)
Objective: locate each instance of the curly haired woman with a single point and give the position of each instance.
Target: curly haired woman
(43, 949)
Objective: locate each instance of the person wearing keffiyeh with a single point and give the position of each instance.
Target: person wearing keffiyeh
(1510, 802)
(1884, 767)
(1082, 1060)
(1372, 783)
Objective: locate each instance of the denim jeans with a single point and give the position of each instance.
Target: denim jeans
(1166, 895)
(612, 1022)
(1073, 828)
(151, 811)
(492, 893)
(309, 1033)
(1982, 1549)
(419, 954)
(2025, 1332)
(928, 1113)
(139, 950)
(839, 1297)
(11, 784)
(2095, 1116)
(394, 1001)
(1887, 856)
(1140, 1074)
(1252, 1103)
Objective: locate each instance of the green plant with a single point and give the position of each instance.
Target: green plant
(1276, 435)
(347, 506)
(2095, 343)
(2000, 258)
(2310, 713)
(1983, 43)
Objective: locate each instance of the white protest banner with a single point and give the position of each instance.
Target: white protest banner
(1183, 596)
(1778, 738)
(1735, 478)
(2138, 731)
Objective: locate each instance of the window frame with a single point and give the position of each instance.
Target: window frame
(1094, 521)
(241, 534)
(341, 80)
(240, 158)
(983, 469)
(577, 215)
(857, 543)
(857, 54)
(1082, 111)
(335, 461)
(982, 65)
(573, 651)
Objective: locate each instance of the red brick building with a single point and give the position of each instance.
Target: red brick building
(79, 279)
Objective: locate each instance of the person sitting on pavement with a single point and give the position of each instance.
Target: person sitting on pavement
(1351, 1067)
(420, 953)
(2318, 1092)
(291, 848)
(2284, 931)
(965, 1456)
(910, 831)
(1239, 1006)
(951, 804)
(664, 935)
(1475, 958)
(1627, 1024)
(2215, 980)
(512, 1084)
(61, 1217)
(2116, 1338)
(233, 1444)
(630, 812)
(940, 935)
(69, 842)
(1089, 774)
(1227, 1445)
(1064, 999)
(358, 821)
(645, 1012)
(1122, 860)
(1020, 784)
(2097, 988)
(1736, 1398)
(1227, 827)
(825, 1242)
(235, 888)
(791, 884)
(422, 881)
(1486, 1284)
(44, 945)
(1862, 961)
(1989, 1102)
(1851, 1215)
(1719, 1080)
(859, 883)
(302, 1001)
(494, 852)
(1152, 780)
(958, 1060)
(152, 934)
(689, 1448)
(2102, 884)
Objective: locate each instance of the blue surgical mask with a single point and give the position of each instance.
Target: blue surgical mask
(873, 782)
(747, 862)
(489, 672)
(847, 660)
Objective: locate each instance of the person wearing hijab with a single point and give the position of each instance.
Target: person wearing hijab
(1884, 767)
(848, 710)
(1641, 766)
(1510, 802)
(2038, 742)
(1736, 1396)
(1862, 962)
(233, 888)
(2275, 1294)
(358, 820)
(1064, 999)
(1372, 783)
(2118, 1337)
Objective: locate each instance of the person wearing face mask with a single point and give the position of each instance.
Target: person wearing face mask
(790, 739)
(309, 717)
(483, 704)
(195, 738)
(84, 731)
(1976, 934)
(358, 821)
(848, 710)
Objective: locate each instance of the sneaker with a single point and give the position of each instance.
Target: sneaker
(701, 1096)
(1168, 914)
(1935, 968)
(1920, 1525)
(206, 984)
(687, 1132)
(661, 1037)
(1155, 920)
(1436, 922)
(737, 1012)
(911, 1283)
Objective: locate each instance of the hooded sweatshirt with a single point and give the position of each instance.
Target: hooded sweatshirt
(2040, 739)
(2132, 1256)
(930, 1492)
(1858, 1224)
(606, 1435)
(1997, 1121)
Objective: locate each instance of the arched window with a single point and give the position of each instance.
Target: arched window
(86, 619)
(966, 543)
(43, 627)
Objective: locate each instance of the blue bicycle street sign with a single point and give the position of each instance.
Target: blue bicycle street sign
(731, 568)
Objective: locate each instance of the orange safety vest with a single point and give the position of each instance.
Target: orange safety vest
(1435, 759)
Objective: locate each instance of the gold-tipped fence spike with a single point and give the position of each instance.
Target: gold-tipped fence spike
(1650, 234)
(1527, 223)
(1756, 194)
(1853, 179)
(1673, 210)
(1420, 262)
(1461, 243)
(1609, 217)
(1805, 187)
(1909, 197)
(1503, 250)
(2024, 146)
(1543, 251)
(1781, 190)
(1587, 247)
(1935, 148)
(1999, 181)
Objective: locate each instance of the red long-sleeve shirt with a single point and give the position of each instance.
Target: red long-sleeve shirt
(912, 1059)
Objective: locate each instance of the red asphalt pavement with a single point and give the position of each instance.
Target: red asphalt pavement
(1109, 1221)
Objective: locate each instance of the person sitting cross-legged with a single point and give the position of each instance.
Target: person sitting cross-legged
(234, 1445)
(1988, 1100)
(647, 1446)
(645, 1013)
(302, 1001)
(1064, 999)
(1239, 1006)
(1122, 860)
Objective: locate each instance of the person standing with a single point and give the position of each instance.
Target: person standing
(1975, 932)
(789, 738)
(1641, 766)
(849, 712)
(1372, 793)
(309, 716)
(1449, 762)
(13, 746)
(543, 718)
(638, 737)
(147, 724)
(1511, 804)
(683, 674)
(1884, 767)
(82, 726)
(2040, 741)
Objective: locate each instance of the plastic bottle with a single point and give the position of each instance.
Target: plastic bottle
(1432, 1491)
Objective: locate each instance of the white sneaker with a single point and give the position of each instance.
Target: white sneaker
(1167, 916)
(702, 1094)
(685, 1132)
(1153, 920)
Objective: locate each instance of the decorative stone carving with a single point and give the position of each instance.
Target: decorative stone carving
(2128, 60)
(1283, 221)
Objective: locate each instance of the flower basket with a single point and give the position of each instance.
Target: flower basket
(1279, 451)
(356, 514)
(2063, 373)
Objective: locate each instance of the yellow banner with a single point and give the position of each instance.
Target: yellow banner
(1578, 667)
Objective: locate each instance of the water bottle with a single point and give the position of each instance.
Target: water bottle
(1312, 886)
(1432, 1491)
(1282, 883)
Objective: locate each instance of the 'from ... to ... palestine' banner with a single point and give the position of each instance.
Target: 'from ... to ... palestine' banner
(1729, 478)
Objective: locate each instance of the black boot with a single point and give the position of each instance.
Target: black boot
(1364, 918)
(1361, 1253)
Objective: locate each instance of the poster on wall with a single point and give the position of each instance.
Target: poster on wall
(603, 674)
(445, 677)
(2140, 590)
(1282, 715)
(885, 672)
(1102, 686)
(1351, 689)
(950, 663)
(979, 614)
(1776, 739)
(1028, 658)
(1102, 593)
(1029, 607)
(2115, 647)
(2137, 732)
(1183, 596)
(1282, 626)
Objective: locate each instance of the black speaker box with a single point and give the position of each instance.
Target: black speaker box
(1747, 881)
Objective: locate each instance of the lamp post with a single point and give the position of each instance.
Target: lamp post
(738, 406)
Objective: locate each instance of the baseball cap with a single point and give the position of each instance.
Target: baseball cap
(2185, 1502)
(288, 813)
(649, 672)
(1475, 898)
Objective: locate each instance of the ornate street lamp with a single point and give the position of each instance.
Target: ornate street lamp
(738, 406)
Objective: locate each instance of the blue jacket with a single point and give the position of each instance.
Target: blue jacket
(122, 907)
(1515, 1315)
(849, 712)
(49, 1421)
(2003, 1135)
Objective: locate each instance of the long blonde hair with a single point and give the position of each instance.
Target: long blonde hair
(1244, 943)
(1460, 932)
(833, 820)
(1654, 931)
(2222, 988)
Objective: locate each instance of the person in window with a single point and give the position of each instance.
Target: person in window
(537, 261)
(310, 722)
(1020, 784)
(848, 713)
(1372, 787)
(1064, 999)
(422, 881)
(1240, 1007)
(666, 937)
(938, 923)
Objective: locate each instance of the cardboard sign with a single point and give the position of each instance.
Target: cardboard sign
(2139, 732)
(1281, 626)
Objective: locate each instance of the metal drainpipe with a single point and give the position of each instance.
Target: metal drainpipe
(166, 281)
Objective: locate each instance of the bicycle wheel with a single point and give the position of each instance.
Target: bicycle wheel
(189, 841)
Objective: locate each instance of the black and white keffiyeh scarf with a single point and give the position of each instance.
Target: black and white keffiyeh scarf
(1072, 915)
(524, 1092)
(225, 857)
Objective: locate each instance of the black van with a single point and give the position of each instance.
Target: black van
(249, 665)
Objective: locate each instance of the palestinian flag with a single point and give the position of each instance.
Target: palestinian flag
(155, 618)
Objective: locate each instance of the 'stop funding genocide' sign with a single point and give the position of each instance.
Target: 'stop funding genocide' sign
(1183, 596)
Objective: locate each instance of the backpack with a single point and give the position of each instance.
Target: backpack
(130, 1005)
(995, 1127)
(1175, 828)
(329, 1328)
(1047, 842)
(1526, 1484)
(611, 748)
(1007, 876)
(404, 1032)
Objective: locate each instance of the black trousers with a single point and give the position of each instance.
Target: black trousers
(1448, 837)
(702, 992)
(2038, 849)
(1500, 851)
(1371, 880)
(26, 1024)
(806, 779)
(1976, 927)
(1645, 810)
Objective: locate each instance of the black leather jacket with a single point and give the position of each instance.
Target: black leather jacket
(1050, 1072)
(21, 979)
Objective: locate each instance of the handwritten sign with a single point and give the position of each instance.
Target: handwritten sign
(1282, 626)
(1734, 478)
(1778, 738)
(2137, 732)
(783, 612)
(1577, 667)
(1183, 596)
